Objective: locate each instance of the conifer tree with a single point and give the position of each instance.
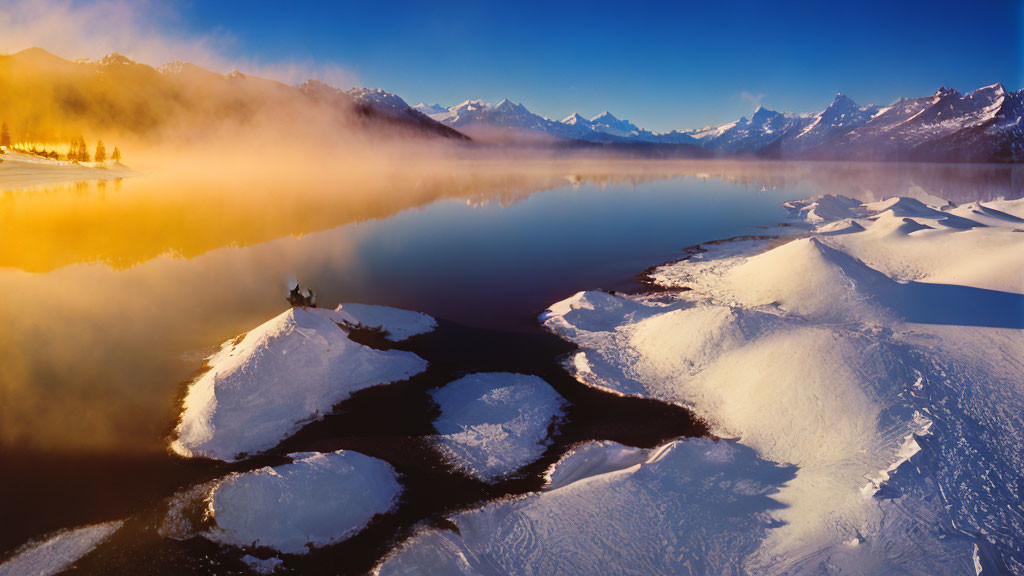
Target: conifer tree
(101, 152)
(5, 136)
(83, 150)
(116, 156)
(73, 152)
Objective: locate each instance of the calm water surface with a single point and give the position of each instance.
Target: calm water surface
(112, 294)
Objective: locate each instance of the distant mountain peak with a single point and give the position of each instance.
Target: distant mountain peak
(317, 84)
(762, 114)
(997, 89)
(378, 98)
(575, 119)
(508, 105)
(115, 58)
(430, 109)
(605, 117)
(472, 103)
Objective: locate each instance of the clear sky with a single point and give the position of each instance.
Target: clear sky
(663, 65)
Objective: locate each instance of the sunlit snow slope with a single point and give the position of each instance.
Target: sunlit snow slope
(878, 360)
(292, 369)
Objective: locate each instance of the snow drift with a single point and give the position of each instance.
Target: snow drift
(693, 506)
(492, 424)
(397, 324)
(316, 500)
(57, 553)
(292, 369)
(883, 362)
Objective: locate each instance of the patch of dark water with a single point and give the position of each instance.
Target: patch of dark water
(395, 423)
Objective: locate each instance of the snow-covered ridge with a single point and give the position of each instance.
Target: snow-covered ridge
(262, 387)
(507, 114)
(982, 125)
(880, 356)
(379, 98)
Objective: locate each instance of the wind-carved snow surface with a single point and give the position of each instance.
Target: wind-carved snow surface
(261, 388)
(318, 499)
(693, 506)
(883, 356)
(58, 552)
(493, 424)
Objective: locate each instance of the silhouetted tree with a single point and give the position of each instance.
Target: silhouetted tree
(116, 156)
(73, 152)
(101, 152)
(297, 299)
(5, 135)
(83, 150)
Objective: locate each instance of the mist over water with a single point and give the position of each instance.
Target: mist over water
(115, 292)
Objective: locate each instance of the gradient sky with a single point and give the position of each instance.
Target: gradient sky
(663, 65)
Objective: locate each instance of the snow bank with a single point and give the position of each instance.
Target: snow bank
(693, 506)
(316, 500)
(292, 369)
(398, 324)
(492, 424)
(884, 362)
(59, 552)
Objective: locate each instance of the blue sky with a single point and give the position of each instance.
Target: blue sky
(663, 65)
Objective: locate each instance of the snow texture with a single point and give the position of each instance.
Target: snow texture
(58, 552)
(261, 388)
(396, 323)
(884, 362)
(693, 506)
(318, 499)
(493, 424)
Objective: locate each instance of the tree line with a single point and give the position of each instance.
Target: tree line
(78, 150)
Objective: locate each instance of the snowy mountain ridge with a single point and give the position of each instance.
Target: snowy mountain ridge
(982, 125)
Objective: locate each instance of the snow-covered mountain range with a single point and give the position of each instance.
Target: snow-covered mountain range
(513, 116)
(980, 126)
(983, 125)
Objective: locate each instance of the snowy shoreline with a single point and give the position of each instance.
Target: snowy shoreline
(864, 373)
(863, 353)
(22, 170)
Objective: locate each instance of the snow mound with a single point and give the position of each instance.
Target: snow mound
(693, 506)
(318, 499)
(493, 424)
(884, 363)
(398, 324)
(57, 553)
(262, 387)
(827, 208)
(263, 565)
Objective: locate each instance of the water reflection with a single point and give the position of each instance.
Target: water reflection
(113, 293)
(126, 222)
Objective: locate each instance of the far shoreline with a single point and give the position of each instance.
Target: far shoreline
(20, 170)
